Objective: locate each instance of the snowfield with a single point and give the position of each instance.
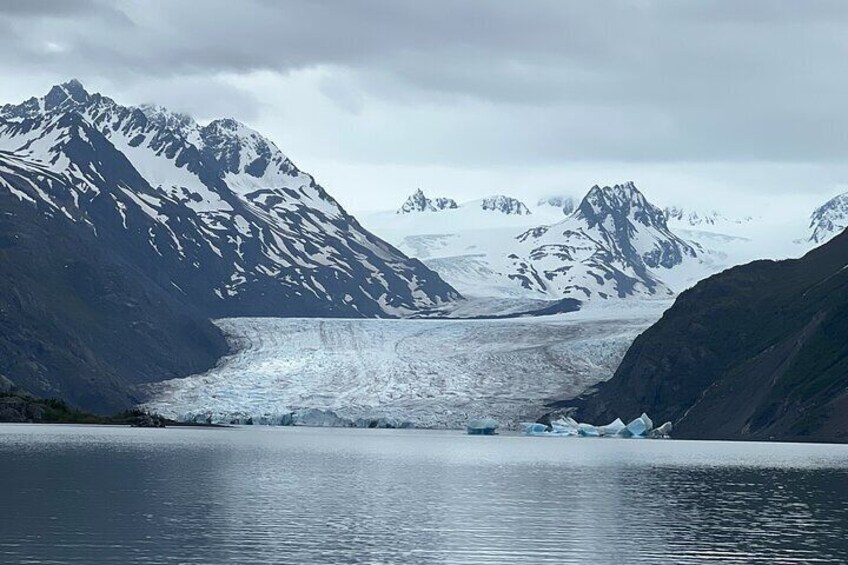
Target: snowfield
(421, 373)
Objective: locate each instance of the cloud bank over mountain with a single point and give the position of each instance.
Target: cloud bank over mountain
(484, 90)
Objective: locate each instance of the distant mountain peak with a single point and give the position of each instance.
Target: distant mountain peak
(419, 202)
(619, 202)
(829, 219)
(505, 205)
(564, 203)
(614, 244)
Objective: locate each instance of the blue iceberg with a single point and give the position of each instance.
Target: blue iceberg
(641, 427)
(481, 427)
(535, 429)
(612, 429)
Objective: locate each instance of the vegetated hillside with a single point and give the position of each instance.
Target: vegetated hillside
(756, 352)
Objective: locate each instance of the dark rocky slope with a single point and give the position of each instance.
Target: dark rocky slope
(124, 229)
(77, 322)
(757, 352)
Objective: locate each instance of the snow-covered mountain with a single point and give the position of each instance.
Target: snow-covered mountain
(499, 203)
(565, 203)
(213, 212)
(681, 215)
(505, 205)
(829, 219)
(615, 244)
(418, 202)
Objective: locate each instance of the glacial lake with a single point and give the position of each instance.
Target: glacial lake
(80, 494)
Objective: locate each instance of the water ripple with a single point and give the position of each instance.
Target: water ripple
(308, 496)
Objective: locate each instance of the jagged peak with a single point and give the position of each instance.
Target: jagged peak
(619, 201)
(624, 191)
(230, 127)
(418, 202)
(70, 91)
(505, 204)
(75, 88)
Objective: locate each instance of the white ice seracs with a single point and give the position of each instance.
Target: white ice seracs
(640, 427)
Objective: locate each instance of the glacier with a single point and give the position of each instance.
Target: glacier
(426, 373)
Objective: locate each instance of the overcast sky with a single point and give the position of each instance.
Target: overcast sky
(720, 104)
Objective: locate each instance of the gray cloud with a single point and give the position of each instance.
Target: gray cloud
(544, 82)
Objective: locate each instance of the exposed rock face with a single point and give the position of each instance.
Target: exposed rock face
(418, 202)
(215, 212)
(755, 352)
(125, 228)
(613, 245)
(15, 409)
(505, 205)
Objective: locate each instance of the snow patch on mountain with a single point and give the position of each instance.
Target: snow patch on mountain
(829, 220)
(681, 215)
(616, 244)
(228, 217)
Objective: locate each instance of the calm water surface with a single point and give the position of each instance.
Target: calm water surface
(297, 495)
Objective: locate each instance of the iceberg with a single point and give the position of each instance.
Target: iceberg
(481, 426)
(612, 429)
(588, 430)
(663, 432)
(641, 426)
(535, 429)
(565, 427)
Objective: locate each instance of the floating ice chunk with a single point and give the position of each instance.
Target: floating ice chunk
(565, 426)
(535, 429)
(588, 430)
(662, 432)
(482, 426)
(641, 426)
(614, 428)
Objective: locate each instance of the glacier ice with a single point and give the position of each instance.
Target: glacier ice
(613, 428)
(565, 426)
(640, 427)
(481, 426)
(398, 373)
(662, 432)
(588, 430)
(535, 429)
